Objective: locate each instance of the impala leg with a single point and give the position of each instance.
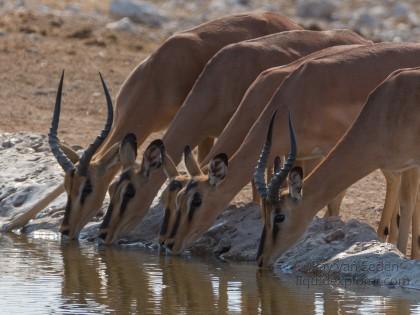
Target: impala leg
(408, 197)
(393, 233)
(393, 183)
(333, 208)
(204, 148)
(24, 218)
(255, 195)
(415, 240)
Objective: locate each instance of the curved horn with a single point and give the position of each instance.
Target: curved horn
(90, 151)
(53, 141)
(278, 178)
(277, 164)
(259, 178)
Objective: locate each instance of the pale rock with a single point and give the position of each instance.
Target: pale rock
(318, 9)
(223, 5)
(73, 8)
(123, 25)
(137, 11)
(365, 19)
(403, 12)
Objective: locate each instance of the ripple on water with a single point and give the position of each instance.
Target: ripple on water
(39, 275)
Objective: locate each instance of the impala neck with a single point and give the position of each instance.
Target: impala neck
(353, 158)
(185, 129)
(243, 162)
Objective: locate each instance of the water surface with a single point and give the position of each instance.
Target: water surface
(41, 275)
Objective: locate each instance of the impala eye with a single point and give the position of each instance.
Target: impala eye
(279, 218)
(196, 201)
(129, 192)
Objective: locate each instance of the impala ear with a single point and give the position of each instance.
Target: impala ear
(218, 169)
(110, 159)
(191, 163)
(69, 152)
(128, 150)
(169, 167)
(124, 152)
(152, 157)
(295, 181)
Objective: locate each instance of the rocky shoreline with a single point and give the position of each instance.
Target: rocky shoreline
(331, 249)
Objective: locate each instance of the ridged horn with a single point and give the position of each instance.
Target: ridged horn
(53, 140)
(278, 178)
(277, 164)
(259, 178)
(90, 151)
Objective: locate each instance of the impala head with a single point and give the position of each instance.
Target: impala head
(192, 216)
(83, 180)
(177, 182)
(282, 224)
(123, 212)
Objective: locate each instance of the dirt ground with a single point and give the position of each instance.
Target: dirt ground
(36, 47)
(34, 51)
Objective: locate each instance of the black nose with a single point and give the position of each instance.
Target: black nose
(65, 232)
(170, 246)
(102, 236)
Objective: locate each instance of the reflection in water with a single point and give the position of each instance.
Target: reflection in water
(41, 276)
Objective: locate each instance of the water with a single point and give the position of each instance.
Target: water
(39, 275)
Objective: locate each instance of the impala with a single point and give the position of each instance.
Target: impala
(171, 220)
(146, 102)
(324, 95)
(214, 98)
(383, 136)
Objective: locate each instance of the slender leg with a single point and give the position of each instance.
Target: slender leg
(204, 148)
(393, 183)
(255, 196)
(333, 208)
(415, 244)
(24, 218)
(408, 197)
(393, 233)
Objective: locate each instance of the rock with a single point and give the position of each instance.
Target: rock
(369, 18)
(73, 8)
(7, 144)
(82, 33)
(43, 92)
(313, 248)
(365, 19)
(318, 9)
(223, 5)
(137, 11)
(19, 199)
(123, 25)
(335, 236)
(403, 12)
(373, 263)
